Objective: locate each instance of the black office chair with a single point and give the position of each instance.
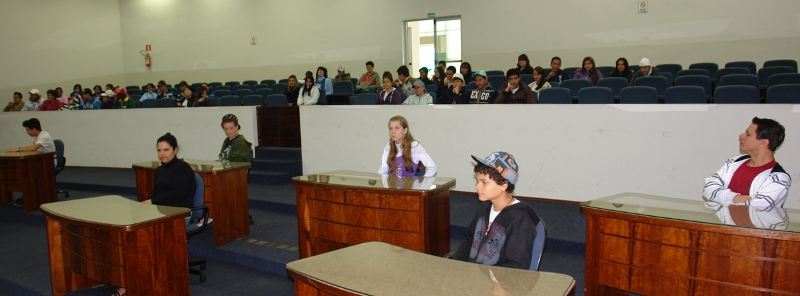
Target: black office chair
(61, 161)
(199, 213)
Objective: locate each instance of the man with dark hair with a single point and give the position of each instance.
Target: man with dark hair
(441, 64)
(88, 101)
(52, 103)
(513, 92)
(16, 104)
(404, 81)
(163, 92)
(423, 75)
(502, 231)
(448, 80)
(556, 74)
(369, 81)
(754, 178)
(483, 93)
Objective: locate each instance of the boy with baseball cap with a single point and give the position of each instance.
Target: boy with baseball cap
(503, 229)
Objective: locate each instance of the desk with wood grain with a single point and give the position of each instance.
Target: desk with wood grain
(32, 173)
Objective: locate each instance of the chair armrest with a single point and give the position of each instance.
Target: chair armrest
(192, 230)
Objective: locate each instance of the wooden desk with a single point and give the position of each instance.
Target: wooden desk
(654, 245)
(278, 126)
(342, 208)
(226, 194)
(32, 173)
(377, 268)
(116, 241)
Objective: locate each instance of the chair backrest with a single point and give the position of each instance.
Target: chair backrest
(232, 83)
(135, 91)
(261, 86)
(575, 85)
(217, 101)
(712, 68)
(471, 85)
(354, 81)
(195, 85)
(495, 72)
(199, 196)
(692, 72)
(253, 100)
(343, 88)
(696, 80)
(595, 95)
(214, 85)
(639, 95)
(222, 92)
(365, 99)
(750, 66)
(230, 101)
(433, 96)
(738, 79)
(526, 78)
(166, 103)
(222, 87)
(285, 80)
(497, 81)
(250, 82)
(766, 72)
(150, 103)
(686, 94)
(669, 78)
(138, 103)
(784, 94)
(538, 245)
(570, 71)
(269, 82)
(243, 86)
(672, 68)
(556, 95)
(277, 100)
(132, 87)
(323, 98)
(728, 71)
(241, 93)
(135, 97)
(783, 78)
(616, 84)
(264, 92)
(736, 94)
(605, 70)
(658, 82)
(279, 88)
(61, 161)
(786, 63)
(431, 88)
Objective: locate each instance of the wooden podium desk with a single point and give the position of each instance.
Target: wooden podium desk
(32, 173)
(342, 208)
(377, 268)
(655, 245)
(116, 241)
(226, 194)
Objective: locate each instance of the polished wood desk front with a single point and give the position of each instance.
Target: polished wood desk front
(377, 268)
(654, 245)
(226, 194)
(116, 241)
(32, 173)
(342, 208)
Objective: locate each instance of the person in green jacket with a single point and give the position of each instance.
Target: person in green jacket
(235, 148)
(123, 101)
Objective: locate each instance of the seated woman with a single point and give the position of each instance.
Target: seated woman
(403, 156)
(438, 80)
(388, 94)
(184, 98)
(292, 91)
(622, 70)
(235, 148)
(309, 94)
(589, 71)
(466, 71)
(524, 65)
(150, 93)
(502, 231)
(539, 80)
(201, 98)
(323, 82)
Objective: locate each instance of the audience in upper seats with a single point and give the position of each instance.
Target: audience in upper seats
(123, 101)
(34, 101)
(77, 90)
(201, 98)
(622, 70)
(51, 104)
(402, 155)
(404, 81)
(184, 98)
(235, 147)
(441, 64)
(208, 89)
(524, 65)
(755, 178)
(163, 92)
(182, 86)
(16, 104)
(456, 93)
(341, 75)
(588, 71)
(423, 75)
(42, 142)
(645, 69)
(369, 81)
(88, 102)
(108, 100)
(388, 94)
(514, 92)
(438, 80)
(323, 82)
(420, 96)
(309, 93)
(309, 74)
(483, 93)
(466, 71)
(292, 90)
(150, 93)
(98, 92)
(60, 96)
(72, 104)
(109, 86)
(556, 74)
(539, 80)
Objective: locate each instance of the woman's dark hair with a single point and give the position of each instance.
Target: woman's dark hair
(324, 71)
(170, 139)
(452, 69)
(494, 175)
(231, 118)
(151, 85)
(96, 87)
(109, 85)
(468, 67)
(387, 74)
(370, 63)
(307, 89)
(441, 73)
(309, 74)
(624, 73)
(523, 57)
(162, 82)
(32, 123)
(198, 93)
(18, 94)
(542, 79)
(403, 70)
(78, 86)
(593, 72)
(292, 76)
(51, 92)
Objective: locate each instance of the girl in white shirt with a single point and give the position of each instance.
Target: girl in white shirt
(403, 156)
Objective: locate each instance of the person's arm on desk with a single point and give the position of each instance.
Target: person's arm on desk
(716, 189)
(772, 192)
(384, 168)
(24, 148)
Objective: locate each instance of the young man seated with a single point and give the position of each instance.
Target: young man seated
(503, 229)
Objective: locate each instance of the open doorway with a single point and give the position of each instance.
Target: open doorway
(432, 40)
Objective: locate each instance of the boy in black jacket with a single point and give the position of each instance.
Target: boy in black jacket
(502, 231)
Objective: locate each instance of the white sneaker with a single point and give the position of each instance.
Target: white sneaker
(200, 223)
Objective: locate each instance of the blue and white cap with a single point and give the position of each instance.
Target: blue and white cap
(503, 162)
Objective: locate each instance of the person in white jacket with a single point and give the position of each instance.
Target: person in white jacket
(309, 94)
(753, 179)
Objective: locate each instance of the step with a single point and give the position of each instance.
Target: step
(270, 177)
(278, 152)
(294, 166)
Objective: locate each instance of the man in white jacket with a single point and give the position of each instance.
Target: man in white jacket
(755, 178)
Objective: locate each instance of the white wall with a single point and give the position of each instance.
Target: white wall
(572, 152)
(119, 138)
